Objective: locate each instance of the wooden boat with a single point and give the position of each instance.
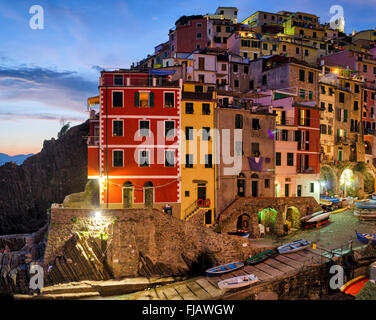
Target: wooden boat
(240, 234)
(316, 220)
(365, 205)
(294, 246)
(263, 256)
(238, 282)
(305, 218)
(325, 202)
(316, 224)
(366, 237)
(226, 268)
(331, 199)
(354, 286)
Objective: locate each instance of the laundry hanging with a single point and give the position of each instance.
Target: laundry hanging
(255, 164)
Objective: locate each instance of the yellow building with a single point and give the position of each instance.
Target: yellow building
(198, 167)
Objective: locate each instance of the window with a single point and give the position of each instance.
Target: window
(310, 95)
(144, 160)
(170, 129)
(198, 35)
(251, 85)
(310, 77)
(238, 121)
(246, 69)
(169, 158)
(117, 130)
(304, 117)
(264, 79)
(345, 115)
(236, 83)
(329, 130)
(312, 187)
(322, 105)
(274, 47)
(256, 124)
(199, 25)
(118, 80)
(323, 129)
(118, 158)
(228, 29)
(219, 29)
(169, 100)
(374, 70)
(278, 159)
(342, 97)
(301, 75)
(201, 63)
(284, 135)
(189, 160)
(189, 108)
(224, 67)
(365, 69)
(255, 149)
(330, 107)
(235, 68)
(290, 159)
(356, 88)
(267, 183)
(201, 78)
(323, 90)
(186, 194)
(302, 93)
(144, 128)
(356, 105)
(206, 108)
(265, 46)
(306, 53)
(297, 50)
(217, 39)
(284, 47)
(117, 99)
(208, 161)
(188, 133)
(205, 133)
(144, 99)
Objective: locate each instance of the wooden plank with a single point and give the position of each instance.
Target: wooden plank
(154, 295)
(260, 274)
(213, 291)
(280, 266)
(171, 293)
(269, 270)
(296, 257)
(198, 291)
(290, 262)
(213, 280)
(185, 292)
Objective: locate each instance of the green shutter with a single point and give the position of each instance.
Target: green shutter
(137, 99)
(151, 99)
(345, 116)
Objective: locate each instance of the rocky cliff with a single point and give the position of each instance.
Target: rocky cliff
(27, 191)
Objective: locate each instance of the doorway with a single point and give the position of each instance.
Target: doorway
(241, 185)
(128, 195)
(299, 191)
(149, 194)
(287, 190)
(201, 192)
(254, 185)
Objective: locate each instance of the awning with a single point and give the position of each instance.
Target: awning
(93, 101)
(161, 72)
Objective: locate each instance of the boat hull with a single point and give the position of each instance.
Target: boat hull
(366, 237)
(258, 258)
(354, 286)
(294, 247)
(237, 282)
(226, 268)
(366, 205)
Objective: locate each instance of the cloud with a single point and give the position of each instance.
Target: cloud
(10, 116)
(61, 89)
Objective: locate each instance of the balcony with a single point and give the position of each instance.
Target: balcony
(341, 140)
(285, 122)
(197, 95)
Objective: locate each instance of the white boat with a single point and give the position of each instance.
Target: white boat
(238, 282)
(311, 216)
(294, 246)
(319, 217)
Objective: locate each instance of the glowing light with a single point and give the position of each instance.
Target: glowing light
(97, 215)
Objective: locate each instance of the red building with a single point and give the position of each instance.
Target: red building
(133, 149)
(190, 33)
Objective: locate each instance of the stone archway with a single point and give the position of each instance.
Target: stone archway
(243, 222)
(328, 180)
(128, 194)
(293, 217)
(268, 218)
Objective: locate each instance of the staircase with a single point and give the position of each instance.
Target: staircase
(193, 209)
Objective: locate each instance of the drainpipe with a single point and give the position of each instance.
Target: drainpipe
(107, 182)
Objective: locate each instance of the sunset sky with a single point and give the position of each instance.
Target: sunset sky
(47, 75)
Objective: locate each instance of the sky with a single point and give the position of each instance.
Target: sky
(46, 75)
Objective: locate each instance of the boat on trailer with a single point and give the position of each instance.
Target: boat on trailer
(226, 268)
(260, 257)
(294, 246)
(317, 220)
(238, 282)
(366, 237)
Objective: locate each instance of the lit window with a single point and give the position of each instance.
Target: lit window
(144, 160)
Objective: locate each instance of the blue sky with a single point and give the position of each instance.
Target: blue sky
(46, 75)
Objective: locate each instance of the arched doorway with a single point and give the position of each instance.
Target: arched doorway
(369, 182)
(149, 194)
(128, 195)
(293, 217)
(327, 180)
(367, 147)
(241, 185)
(243, 222)
(346, 182)
(255, 185)
(268, 218)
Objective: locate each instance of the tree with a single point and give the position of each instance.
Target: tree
(63, 130)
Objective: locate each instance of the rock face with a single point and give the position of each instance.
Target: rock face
(27, 191)
(132, 243)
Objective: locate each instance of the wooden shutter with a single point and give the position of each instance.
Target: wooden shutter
(137, 99)
(151, 99)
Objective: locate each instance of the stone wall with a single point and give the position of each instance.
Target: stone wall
(135, 242)
(251, 206)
